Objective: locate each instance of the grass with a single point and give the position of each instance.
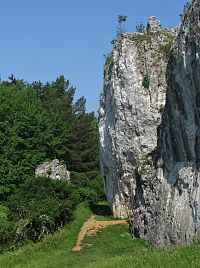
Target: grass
(113, 247)
(117, 249)
(108, 58)
(166, 47)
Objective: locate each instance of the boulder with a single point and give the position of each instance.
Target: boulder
(53, 170)
(153, 24)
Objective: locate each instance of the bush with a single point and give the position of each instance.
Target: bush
(186, 10)
(7, 233)
(166, 47)
(161, 109)
(88, 186)
(108, 58)
(140, 28)
(39, 207)
(146, 81)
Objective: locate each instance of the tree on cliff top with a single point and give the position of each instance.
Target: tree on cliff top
(120, 27)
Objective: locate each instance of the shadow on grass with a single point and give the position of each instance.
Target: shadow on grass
(103, 210)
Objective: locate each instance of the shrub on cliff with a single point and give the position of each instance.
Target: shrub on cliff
(108, 58)
(186, 10)
(140, 28)
(120, 27)
(146, 81)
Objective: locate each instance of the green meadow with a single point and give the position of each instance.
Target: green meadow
(112, 247)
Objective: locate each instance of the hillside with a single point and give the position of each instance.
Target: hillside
(113, 247)
(120, 189)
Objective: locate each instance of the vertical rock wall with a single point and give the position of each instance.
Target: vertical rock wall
(131, 107)
(150, 152)
(166, 210)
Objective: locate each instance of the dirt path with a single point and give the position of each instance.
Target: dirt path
(91, 227)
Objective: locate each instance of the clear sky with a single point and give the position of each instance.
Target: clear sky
(42, 39)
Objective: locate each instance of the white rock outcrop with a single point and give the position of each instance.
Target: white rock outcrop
(153, 24)
(131, 106)
(166, 203)
(149, 124)
(53, 170)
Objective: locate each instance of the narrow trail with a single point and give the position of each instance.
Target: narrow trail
(91, 227)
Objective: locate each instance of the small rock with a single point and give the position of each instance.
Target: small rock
(53, 170)
(153, 24)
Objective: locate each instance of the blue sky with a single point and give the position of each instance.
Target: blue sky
(42, 39)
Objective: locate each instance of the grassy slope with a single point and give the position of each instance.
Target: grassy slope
(110, 248)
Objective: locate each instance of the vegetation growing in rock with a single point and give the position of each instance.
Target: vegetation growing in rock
(166, 47)
(108, 58)
(186, 10)
(140, 28)
(146, 81)
(140, 37)
(120, 27)
(161, 109)
(120, 30)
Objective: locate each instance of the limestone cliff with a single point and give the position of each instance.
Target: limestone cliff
(150, 152)
(166, 210)
(131, 108)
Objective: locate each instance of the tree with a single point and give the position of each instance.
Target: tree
(40, 206)
(186, 10)
(41, 122)
(120, 28)
(26, 135)
(140, 28)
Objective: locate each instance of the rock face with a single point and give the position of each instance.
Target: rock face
(166, 202)
(131, 108)
(150, 153)
(153, 24)
(54, 170)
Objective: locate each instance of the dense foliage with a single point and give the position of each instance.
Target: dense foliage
(38, 123)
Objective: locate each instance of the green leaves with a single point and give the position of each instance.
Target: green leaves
(140, 28)
(25, 132)
(40, 206)
(39, 123)
(120, 27)
(122, 18)
(146, 81)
